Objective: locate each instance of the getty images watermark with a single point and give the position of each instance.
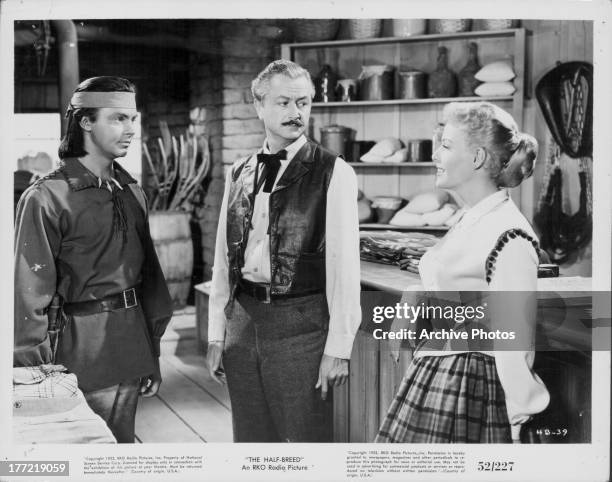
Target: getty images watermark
(489, 321)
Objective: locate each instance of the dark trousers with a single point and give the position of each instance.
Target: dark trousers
(117, 407)
(271, 358)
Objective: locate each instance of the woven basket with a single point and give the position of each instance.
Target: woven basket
(360, 28)
(449, 25)
(315, 30)
(405, 27)
(499, 23)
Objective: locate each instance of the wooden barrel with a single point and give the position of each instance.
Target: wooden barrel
(171, 235)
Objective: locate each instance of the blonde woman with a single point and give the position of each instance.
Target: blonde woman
(465, 396)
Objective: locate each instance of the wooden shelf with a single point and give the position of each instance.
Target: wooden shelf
(413, 38)
(404, 118)
(393, 227)
(391, 164)
(438, 100)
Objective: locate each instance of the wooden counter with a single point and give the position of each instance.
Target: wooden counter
(360, 405)
(388, 278)
(393, 280)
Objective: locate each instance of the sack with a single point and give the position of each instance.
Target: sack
(499, 71)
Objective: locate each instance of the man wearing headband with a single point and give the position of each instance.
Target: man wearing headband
(284, 305)
(82, 237)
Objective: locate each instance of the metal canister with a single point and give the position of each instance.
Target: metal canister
(376, 82)
(337, 138)
(419, 150)
(413, 85)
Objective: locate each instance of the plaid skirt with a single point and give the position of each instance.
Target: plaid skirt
(448, 399)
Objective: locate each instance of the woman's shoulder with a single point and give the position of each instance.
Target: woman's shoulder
(506, 217)
(514, 241)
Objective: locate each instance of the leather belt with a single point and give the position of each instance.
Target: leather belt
(261, 291)
(124, 300)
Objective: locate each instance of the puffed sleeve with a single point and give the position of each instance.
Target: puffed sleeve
(342, 265)
(515, 277)
(37, 241)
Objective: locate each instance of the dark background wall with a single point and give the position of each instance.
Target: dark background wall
(176, 65)
(160, 71)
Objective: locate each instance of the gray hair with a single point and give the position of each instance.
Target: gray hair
(261, 83)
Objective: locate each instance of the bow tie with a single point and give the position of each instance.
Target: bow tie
(271, 164)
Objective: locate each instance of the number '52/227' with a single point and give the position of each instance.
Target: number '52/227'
(495, 466)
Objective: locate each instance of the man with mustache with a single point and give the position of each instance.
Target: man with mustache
(82, 237)
(284, 304)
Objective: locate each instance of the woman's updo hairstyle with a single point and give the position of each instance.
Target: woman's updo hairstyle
(511, 154)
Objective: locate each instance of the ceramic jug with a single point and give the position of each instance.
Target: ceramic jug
(325, 85)
(467, 81)
(442, 81)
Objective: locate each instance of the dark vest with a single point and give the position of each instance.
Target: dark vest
(297, 221)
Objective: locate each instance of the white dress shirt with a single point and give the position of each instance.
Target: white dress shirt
(342, 266)
(457, 263)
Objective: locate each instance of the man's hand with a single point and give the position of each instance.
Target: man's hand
(149, 386)
(213, 357)
(333, 372)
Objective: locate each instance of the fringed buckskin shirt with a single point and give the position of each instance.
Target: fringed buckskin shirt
(86, 239)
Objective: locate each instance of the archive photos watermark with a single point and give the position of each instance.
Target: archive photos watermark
(489, 321)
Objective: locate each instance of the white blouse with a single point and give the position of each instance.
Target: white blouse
(457, 263)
